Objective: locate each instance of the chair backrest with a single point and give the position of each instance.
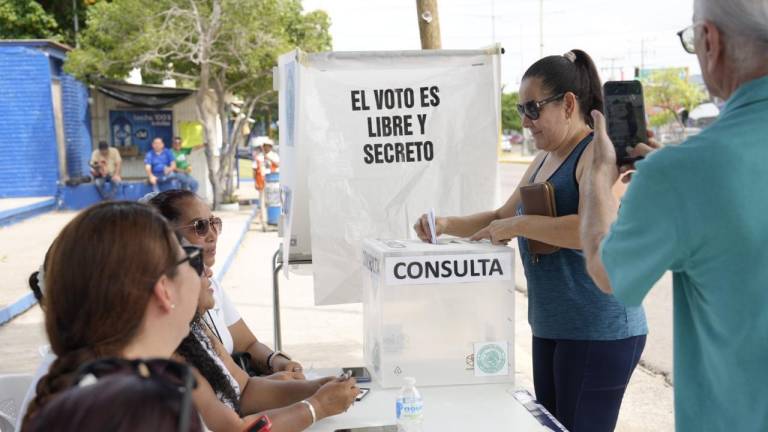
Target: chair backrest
(13, 388)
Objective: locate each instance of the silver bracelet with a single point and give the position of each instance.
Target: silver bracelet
(311, 410)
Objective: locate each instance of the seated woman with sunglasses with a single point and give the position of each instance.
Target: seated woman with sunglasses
(226, 392)
(585, 343)
(193, 219)
(117, 284)
(119, 395)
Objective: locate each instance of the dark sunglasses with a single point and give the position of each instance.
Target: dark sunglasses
(201, 226)
(169, 373)
(532, 109)
(195, 258)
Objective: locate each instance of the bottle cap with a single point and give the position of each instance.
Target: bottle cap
(410, 380)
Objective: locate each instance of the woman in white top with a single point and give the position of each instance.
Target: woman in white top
(193, 219)
(227, 398)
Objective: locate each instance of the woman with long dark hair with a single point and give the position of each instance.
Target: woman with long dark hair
(585, 343)
(227, 392)
(192, 218)
(117, 284)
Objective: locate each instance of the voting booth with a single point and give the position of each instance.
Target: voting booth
(369, 141)
(442, 313)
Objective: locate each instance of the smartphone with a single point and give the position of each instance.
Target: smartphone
(625, 116)
(363, 393)
(387, 428)
(261, 424)
(360, 374)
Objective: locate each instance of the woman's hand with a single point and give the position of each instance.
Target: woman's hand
(422, 227)
(500, 231)
(286, 376)
(282, 364)
(334, 397)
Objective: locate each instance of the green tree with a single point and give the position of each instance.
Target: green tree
(224, 48)
(26, 19)
(670, 92)
(510, 118)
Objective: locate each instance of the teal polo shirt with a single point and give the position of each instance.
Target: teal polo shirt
(700, 209)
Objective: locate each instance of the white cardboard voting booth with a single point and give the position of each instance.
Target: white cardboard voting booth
(371, 140)
(441, 313)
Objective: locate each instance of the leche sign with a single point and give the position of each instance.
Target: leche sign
(447, 269)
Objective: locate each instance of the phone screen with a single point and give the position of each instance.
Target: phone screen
(625, 115)
(363, 393)
(360, 374)
(388, 428)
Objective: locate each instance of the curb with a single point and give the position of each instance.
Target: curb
(17, 308)
(10, 217)
(219, 276)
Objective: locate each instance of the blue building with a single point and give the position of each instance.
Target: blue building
(45, 132)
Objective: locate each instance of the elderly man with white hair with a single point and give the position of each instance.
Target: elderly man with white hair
(700, 209)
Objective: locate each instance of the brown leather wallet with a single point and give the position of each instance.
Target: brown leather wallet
(539, 199)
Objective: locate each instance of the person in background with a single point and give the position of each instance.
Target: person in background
(183, 168)
(106, 165)
(698, 209)
(159, 164)
(265, 161)
(132, 301)
(192, 218)
(585, 344)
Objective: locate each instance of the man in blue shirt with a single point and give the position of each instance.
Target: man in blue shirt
(700, 210)
(159, 164)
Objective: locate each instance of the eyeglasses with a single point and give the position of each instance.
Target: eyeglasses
(688, 38)
(532, 109)
(169, 373)
(195, 258)
(201, 226)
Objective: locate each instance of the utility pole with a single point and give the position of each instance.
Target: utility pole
(541, 28)
(429, 24)
(493, 21)
(74, 18)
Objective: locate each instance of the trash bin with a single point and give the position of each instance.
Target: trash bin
(272, 197)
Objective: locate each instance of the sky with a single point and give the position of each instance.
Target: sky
(618, 34)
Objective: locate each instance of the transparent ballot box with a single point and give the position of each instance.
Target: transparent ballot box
(441, 313)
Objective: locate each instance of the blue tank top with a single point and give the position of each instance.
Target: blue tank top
(563, 301)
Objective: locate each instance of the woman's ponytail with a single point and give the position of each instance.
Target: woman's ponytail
(60, 376)
(590, 92)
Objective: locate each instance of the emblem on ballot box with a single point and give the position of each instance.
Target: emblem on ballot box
(491, 358)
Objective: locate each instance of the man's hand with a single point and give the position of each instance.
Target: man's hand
(152, 180)
(167, 170)
(641, 150)
(189, 170)
(117, 177)
(603, 152)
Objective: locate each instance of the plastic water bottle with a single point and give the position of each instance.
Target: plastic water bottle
(410, 407)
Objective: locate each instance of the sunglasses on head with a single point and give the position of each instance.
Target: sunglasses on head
(532, 108)
(201, 226)
(195, 258)
(169, 373)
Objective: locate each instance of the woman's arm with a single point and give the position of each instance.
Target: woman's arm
(244, 340)
(466, 226)
(260, 394)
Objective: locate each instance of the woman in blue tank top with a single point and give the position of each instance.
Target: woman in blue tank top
(585, 343)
